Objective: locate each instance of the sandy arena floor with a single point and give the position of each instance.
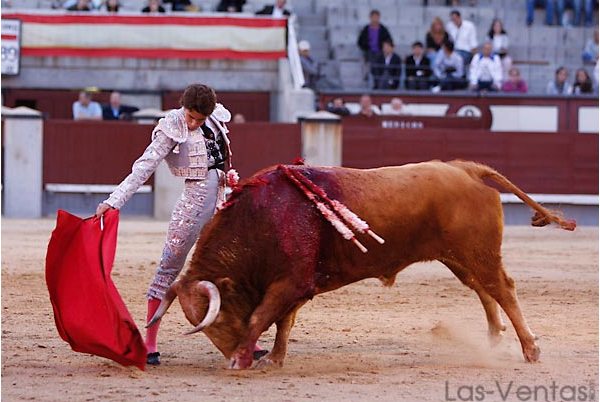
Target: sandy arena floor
(423, 339)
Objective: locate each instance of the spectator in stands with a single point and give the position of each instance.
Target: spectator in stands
(372, 36)
(115, 110)
(499, 38)
(396, 108)
(435, 38)
(336, 106)
(181, 5)
(81, 5)
(278, 10)
(153, 6)
(456, 3)
(449, 68)
(231, 6)
(238, 118)
(386, 68)
(596, 72)
(559, 85)
(588, 12)
(310, 67)
(575, 5)
(112, 6)
(590, 51)
(418, 68)
(463, 34)
(367, 108)
(583, 83)
(92, 5)
(485, 72)
(497, 35)
(548, 4)
(85, 108)
(514, 83)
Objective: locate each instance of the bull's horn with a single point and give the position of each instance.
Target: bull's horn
(214, 305)
(164, 304)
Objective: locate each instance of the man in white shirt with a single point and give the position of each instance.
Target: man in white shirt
(463, 34)
(85, 108)
(485, 72)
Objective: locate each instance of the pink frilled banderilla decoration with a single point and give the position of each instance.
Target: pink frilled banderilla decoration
(232, 178)
(332, 210)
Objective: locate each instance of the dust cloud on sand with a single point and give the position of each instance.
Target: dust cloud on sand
(423, 339)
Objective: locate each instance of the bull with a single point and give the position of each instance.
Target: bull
(270, 251)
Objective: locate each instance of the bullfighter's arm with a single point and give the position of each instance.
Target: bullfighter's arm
(142, 169)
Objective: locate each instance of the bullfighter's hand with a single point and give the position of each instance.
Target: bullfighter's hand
(101, 209)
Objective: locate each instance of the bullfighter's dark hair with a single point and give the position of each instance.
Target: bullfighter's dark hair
(199, 97)
(417, 43)
(373, 12)
(455, 12)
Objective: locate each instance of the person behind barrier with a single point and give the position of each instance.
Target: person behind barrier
(449, 69)
(386, 68)
(84, 108)
(463, 34)
(418, 68)
(485, 72)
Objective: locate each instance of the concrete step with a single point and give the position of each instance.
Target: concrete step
(347, 51)
(313, 20)
(315, 33)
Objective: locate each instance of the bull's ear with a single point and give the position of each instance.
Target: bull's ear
(225, 284)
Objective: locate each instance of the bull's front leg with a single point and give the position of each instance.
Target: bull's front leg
(277, 302)
(279, 351)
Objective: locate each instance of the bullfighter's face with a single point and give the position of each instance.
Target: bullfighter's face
(194, 119)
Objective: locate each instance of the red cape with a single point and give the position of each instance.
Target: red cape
(88, 310)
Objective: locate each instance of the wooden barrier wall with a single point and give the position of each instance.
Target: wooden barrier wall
(567, 106)
(78, 152)
(103, 152)
(551, 163)
(258, 145)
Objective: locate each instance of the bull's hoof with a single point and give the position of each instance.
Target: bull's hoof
(268, 362)
(532, 353)
(259, 353)
(495, 337)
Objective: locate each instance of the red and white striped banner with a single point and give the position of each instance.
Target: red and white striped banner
(189, 36)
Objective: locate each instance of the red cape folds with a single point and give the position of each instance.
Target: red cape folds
(88, 310)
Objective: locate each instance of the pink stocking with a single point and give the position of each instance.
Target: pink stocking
(152, 332)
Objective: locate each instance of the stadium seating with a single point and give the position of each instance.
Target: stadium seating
(332, 27)
(537, 50)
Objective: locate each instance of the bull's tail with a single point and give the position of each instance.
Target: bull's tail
(542, 217)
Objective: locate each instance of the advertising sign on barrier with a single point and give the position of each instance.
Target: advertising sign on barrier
(11, 46)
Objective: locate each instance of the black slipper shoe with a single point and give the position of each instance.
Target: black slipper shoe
(153, 359)
(259, 353)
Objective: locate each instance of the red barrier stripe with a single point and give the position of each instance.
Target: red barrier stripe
(9, 37)
(149, 20)
(153, 53)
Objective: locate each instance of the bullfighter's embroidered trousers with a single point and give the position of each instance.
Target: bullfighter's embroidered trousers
(192, 211)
